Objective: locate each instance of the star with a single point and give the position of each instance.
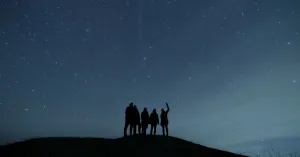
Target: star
(58, 56)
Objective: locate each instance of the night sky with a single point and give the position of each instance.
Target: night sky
(230, 69)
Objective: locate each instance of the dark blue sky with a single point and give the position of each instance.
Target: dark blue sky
(229, 69)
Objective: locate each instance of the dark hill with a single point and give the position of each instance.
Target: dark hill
(150, 146)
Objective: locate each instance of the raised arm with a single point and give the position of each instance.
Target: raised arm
(168, 109)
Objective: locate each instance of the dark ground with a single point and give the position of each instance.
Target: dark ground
(150, 146)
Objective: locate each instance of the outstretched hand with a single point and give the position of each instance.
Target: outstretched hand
(167, 104)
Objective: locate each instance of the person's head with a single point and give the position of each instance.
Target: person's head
(162, 110)
(131, 104)
(145, 108)
(154, 110)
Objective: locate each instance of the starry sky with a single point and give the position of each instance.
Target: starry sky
(230, 69)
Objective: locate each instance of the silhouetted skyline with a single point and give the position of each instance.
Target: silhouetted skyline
(229, 69)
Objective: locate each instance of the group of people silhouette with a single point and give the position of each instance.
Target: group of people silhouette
(139, 122)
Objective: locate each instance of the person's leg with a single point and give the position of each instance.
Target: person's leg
(167, 130)
(163, 130)
(142, 129)
(134, 129)
(146, 127)
(125, 129)
(154, 129)
(131, 128)
(151, 129)
(139, 129)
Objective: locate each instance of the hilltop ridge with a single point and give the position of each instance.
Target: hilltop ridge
(134, 146)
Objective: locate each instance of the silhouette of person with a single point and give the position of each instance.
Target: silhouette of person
(154, 121)
(145, 121)
(137, 120)
(129, 118)
(164, 120)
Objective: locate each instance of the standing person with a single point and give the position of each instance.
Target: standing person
(128, 118)
(164, 120)
(137, 120)
(154, 121)
(145, 121)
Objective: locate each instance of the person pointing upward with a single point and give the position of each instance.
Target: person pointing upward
(164, 120)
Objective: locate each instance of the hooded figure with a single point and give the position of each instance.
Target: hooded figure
(129, 118)
(154, 121)
(145, 121)
(164, 120)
